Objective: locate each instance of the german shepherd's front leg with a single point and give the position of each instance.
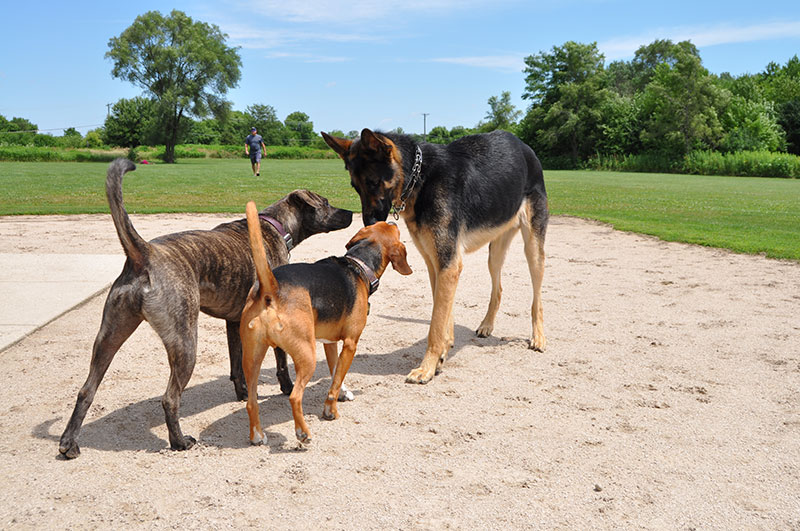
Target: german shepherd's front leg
(439, 335)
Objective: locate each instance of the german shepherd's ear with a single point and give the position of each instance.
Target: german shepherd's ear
(373, 141)
(339, 145)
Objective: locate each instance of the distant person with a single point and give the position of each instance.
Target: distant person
(253, 146)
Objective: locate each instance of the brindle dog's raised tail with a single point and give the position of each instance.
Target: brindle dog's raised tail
(134, 245)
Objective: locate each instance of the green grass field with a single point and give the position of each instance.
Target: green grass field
(749, 215)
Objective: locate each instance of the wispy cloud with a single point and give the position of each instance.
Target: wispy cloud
(505, 63)
(268, 38)
(624, 47)
(358, 11)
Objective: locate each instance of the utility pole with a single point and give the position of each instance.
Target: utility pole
(108, 109)
(425, 125)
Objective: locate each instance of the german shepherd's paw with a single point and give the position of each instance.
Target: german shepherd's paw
(484, 330)
(419, 376)
(538, 343)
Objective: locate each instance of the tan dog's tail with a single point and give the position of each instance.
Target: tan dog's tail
(267, 285)
(134, 245)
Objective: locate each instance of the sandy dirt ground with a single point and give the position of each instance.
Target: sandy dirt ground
(668, 398)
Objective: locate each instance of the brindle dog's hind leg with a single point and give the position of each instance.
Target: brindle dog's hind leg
(118, 323)
(179, 334)
(235, 353)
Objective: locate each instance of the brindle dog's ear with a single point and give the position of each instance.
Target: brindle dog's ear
(340, 145)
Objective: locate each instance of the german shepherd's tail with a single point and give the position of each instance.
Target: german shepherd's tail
(267, 285)
(135, 247)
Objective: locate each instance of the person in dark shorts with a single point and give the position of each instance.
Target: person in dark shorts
(253, 146)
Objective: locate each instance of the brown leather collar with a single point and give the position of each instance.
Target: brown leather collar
(279, 227)
(372, 278)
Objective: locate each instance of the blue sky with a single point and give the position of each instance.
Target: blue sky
(378, 64)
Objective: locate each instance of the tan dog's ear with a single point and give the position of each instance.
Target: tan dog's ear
(360, 235)
(373, 141)
(339, 145)
(397, 255)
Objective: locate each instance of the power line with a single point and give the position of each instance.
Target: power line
(54, 129)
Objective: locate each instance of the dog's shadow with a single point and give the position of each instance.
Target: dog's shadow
(401, 361)
(131, 428)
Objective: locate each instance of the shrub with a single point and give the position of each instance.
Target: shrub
(743, 163)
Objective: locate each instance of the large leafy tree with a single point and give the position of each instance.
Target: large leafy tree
(782, 86)
(183, 65)
(682, 107)
(567, 88)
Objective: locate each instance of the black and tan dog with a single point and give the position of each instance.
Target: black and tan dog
(297, 304)
(455, 198)
(169, 280)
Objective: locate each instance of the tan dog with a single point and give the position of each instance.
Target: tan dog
(297, 304)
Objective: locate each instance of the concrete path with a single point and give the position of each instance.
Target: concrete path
(37, 288)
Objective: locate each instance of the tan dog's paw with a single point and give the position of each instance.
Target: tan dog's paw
(302, 436)
(419, 376)
(330, 411)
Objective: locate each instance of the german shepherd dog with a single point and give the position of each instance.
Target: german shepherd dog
(454, 199)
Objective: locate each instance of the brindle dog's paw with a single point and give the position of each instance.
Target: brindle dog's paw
(69, 450)
(188, 442)
(346, 395)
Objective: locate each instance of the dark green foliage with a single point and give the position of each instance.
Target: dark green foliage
(184, 66)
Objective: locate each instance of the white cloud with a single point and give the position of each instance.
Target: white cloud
(624, 47)
(506, 63)
(357, 11)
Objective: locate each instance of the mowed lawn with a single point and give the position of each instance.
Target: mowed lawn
(750, 215)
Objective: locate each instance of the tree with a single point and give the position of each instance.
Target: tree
(300, 128)
(265, 119)
(749, 120)
(501, 113)
(185, 66)
(567, 87)
(782, 86)
(131, 123)
(681, 106)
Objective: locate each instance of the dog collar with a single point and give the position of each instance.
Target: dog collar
(372, 278)
(410, 183)
(279, 227)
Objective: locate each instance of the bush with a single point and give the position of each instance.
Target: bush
(643, 162)
(743, 163)
(41, 154)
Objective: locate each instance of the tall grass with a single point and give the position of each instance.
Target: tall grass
(742, 163)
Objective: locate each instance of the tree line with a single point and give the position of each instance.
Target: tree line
(662, 104)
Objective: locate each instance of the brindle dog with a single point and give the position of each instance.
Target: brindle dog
(170, 279)
(454, 199)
